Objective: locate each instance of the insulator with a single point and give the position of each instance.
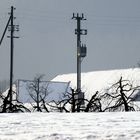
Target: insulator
(73, 15)
(82, 15)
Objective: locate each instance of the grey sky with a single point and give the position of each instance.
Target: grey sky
(47, 43)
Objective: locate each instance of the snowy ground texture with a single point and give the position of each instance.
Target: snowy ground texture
(63, 126)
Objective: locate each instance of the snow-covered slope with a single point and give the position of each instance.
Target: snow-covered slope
(100, 80)
(91, 82)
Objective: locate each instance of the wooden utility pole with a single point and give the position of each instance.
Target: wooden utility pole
(11, 56)
(12, 28)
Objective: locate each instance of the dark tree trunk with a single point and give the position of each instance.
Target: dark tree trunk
(123, 96)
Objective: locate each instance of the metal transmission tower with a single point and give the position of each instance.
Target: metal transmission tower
(11, 28)
(81, 52)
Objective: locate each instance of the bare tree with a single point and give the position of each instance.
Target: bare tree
(119, 96)
(38, 92)
(94, 104)
(70, 103)
(8, 106)
(61, 106)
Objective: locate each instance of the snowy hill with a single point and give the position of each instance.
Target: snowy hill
(100, 80)
(91, 82)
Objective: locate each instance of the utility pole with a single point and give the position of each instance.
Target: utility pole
(81, 53)
(12, 28)
(11, 57)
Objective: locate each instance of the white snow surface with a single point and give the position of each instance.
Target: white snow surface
(100, 80)
(70, 126)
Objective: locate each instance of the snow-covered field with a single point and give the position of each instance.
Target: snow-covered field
(68, 126)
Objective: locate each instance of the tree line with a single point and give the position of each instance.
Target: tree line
(118, 97)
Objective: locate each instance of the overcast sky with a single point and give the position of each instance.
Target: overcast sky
(47, 43)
